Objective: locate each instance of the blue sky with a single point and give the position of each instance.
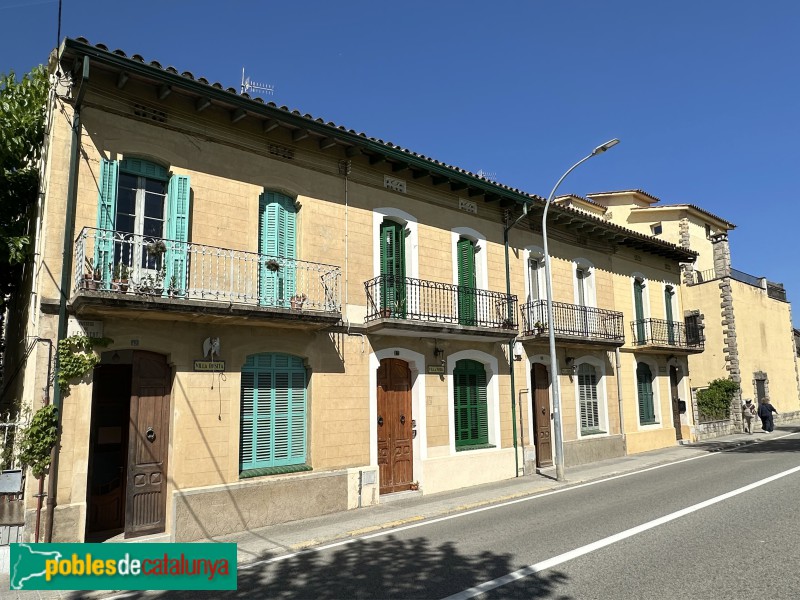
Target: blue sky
(703, 94)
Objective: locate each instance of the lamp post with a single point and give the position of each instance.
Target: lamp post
(559, 453)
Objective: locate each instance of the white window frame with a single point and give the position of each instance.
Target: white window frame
(489, 363)
(645, 295)
(602, 397)
(589, 284)
(379, 215)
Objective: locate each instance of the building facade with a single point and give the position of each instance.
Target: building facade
(748, 320)
(298, 319)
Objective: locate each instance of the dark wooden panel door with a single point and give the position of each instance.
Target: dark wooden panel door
(676, 406)
(145, 508)
(541, 416)
(395, 450)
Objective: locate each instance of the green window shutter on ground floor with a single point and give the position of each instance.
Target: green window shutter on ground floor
(470, 404)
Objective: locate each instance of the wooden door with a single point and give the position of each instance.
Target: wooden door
(148, 447)
(395, 452)
(541, 416)
(676, 406)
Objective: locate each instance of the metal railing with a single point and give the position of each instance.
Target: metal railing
(703, 276)
(434, 302)
(128, 264)
(660, 332)
(573, 320)
(746, 278)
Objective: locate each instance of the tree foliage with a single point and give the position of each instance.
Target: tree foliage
(22, 121)
(715, 401)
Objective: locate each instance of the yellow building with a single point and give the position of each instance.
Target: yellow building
(748, 320)
(304, 319)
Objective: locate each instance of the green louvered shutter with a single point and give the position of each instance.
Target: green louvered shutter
(638, 293)
(644, 384)
(467, 302)
(106, 218)
(178, 232)
(247, 434)
(670, 323)
(277, 241)
(273, 411)
(471, 413)
(393, 268)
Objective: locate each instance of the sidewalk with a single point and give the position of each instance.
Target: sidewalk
(406, 508)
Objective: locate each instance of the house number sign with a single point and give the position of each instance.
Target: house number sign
(209, 365)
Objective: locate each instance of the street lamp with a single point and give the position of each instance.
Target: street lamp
(559, 454)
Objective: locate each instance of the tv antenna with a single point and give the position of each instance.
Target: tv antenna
(490, 175)
(252, 86)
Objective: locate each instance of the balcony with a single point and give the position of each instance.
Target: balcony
(119, 273)
(660, 335)
(415, 307)
(573, 325)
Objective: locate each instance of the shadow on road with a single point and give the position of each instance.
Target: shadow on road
(747, 446)
(389, 568)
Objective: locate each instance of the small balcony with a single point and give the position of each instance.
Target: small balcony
(573, 325)
(416, 307)
(660, 335)
(122, 273)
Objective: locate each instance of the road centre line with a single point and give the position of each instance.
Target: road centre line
(424, 523)
(613, 539)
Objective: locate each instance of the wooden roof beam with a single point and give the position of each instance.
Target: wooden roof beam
(326, 143)
(299, 134)
(237, 115)
(270, 125)
(202, 104)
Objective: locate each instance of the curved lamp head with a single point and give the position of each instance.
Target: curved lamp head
(603, 147)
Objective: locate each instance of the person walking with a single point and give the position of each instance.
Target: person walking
(748, 412)
(765, 412)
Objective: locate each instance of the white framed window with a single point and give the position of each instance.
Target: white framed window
(583, 274)
(656, 229)
(590, 396)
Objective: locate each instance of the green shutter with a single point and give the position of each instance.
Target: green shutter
(106, 218)
(644, 384)
(638, 291)
(670, 323)
(178, 195)
(467, 300)
(273, 412)
(471, 418)
(277, 233)
(393, 268)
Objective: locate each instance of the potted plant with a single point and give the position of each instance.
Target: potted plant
(93, 275)
(273, 265)
(297, 301)
(538, 327)
(173, 290)
(152, 283)
(156, 248)
(119, 277)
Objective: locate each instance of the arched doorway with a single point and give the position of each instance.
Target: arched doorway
(129, 445)
(395, 426)
(541, 415)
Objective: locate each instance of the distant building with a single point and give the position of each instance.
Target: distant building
(748, 320)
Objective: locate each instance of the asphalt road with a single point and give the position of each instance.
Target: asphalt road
(724, 525)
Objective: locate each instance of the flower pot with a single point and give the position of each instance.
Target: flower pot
(89, 283)
(120, 285)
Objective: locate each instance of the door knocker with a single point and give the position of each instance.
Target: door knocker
(150, 435)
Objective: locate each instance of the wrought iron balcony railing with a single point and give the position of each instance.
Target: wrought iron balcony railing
(419, 300)
(128, 264)
(660, 332)
(573, 320)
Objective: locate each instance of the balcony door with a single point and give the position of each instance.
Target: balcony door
(638, 302)
(142, 224)
(277, 235)
(393, 269)
(669, 295)
(467, 295)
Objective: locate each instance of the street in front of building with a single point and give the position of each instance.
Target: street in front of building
(708, 524)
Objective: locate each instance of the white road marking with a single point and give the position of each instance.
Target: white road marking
(613, 539)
